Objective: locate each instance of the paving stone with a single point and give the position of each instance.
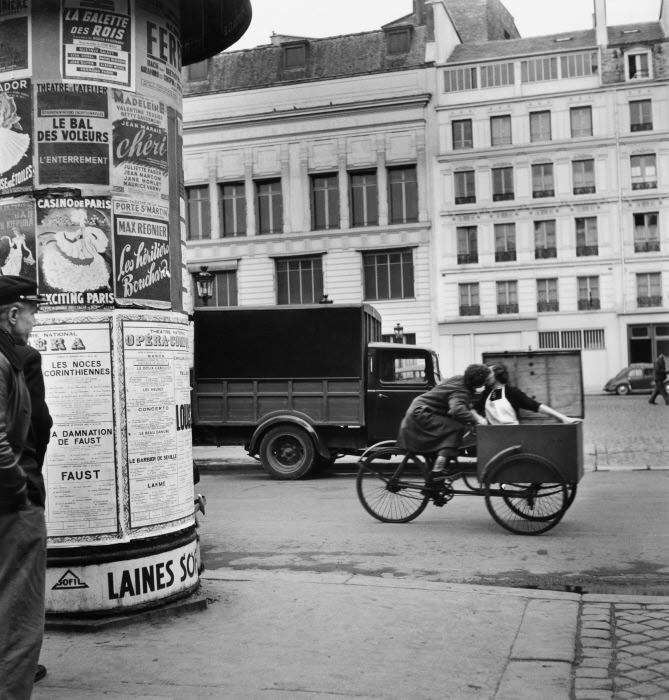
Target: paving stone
(598, 683)
(642, 674)
(640, 649)
(631, 627)
(625, 639)
(591, 694)
(657, 624)
(656, 634)
(595, 625)
(594, 643)
(592, 672)
(645, 690)
(632, 660)
(659, 655)
(595, 662)
(596, 634)
(593, 652)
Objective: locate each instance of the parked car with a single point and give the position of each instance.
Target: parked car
(638, 377)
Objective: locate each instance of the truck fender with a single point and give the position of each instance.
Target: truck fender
(254, 442)
(497, 459)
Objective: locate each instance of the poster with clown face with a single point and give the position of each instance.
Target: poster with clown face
(74, 250)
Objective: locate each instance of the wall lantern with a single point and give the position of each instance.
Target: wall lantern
(399, 334)
(204, 282)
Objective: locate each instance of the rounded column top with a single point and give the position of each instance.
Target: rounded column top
(210, 26)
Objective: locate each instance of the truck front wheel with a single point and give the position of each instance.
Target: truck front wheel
(287, 452)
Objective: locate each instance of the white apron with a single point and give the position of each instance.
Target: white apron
(500, 411)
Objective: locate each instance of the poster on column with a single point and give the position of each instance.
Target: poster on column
(79, 470)
(17, 239)
(72, 129)
(139, 145)
(15, 39)
(97, 42)
(74, 250)
(158, 418)
(158, 52)
(16, 147)
(142, 248)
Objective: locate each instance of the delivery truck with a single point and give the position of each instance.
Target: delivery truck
(299, 386)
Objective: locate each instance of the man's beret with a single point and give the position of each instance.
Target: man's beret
(14, 288)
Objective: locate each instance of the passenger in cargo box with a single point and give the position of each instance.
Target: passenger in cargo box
(436, 421)
(499, 403)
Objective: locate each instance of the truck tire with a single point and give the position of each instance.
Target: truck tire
(287, 452)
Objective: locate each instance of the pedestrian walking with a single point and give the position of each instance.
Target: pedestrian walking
(22, 526)
(660, 375)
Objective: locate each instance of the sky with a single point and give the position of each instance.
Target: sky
(318, 18)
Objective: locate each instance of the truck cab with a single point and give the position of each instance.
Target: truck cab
(396, 374)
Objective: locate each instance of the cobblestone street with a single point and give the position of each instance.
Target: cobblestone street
(624, 649)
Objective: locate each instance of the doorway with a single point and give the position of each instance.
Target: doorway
(647, 341)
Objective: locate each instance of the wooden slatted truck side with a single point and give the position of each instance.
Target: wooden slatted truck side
(299, 386)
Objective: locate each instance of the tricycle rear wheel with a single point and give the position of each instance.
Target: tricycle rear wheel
(522, 506)
(391, 484)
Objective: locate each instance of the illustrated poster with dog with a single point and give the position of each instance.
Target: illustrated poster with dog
(75, 251)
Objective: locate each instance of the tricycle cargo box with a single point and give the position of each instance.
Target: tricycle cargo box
(559, 443)
(551, 377)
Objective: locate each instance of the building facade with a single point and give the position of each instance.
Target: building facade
(482, 190)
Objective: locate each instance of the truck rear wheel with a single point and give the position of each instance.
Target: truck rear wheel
(287, 452)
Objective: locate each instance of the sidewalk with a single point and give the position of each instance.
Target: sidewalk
(317, 636)
(282, 635)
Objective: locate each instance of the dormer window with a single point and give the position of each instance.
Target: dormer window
(295, 55)
(398, 40)
(638, 65)
(198, 71)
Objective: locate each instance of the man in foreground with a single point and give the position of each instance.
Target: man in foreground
(22, 526)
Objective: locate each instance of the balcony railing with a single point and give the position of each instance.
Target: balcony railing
(466, 258)
(469, 199)
(642, 126)
(502, 196)
(543, 193)
(584, 250)
(647, 246)
(588, 304)
(507, 308)
(548, 306)
(588, 189)
(550, 252)
(471, 310)
(505, 255)
(643, 302)
(647, 185)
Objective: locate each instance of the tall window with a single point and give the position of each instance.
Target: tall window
(299, 280)
(540, 126)
(641, 115)
(467, 245)
(588, 293)
(586, 236)
(583, 174)
(644, 172)
(324, 201)
(581, 121)
(269, 206)
(638, 65)
(462, 134)
(576, 65)
(502, 184)
(465, 187)
(224, 292)
(542, 180)
(232, 203)
(364, 199)
(507, 297)
(388, 274)
(197, 204)
(649, 289)
(500, 130)
(547, 295)
(505, 242)
(536, 69)
(646, 233)
(403, 194)
(469, 299)
(544, 239)
(496, 74)
(460, 79)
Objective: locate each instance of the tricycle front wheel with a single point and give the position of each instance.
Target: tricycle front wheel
(391, 484)
(520, 504)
